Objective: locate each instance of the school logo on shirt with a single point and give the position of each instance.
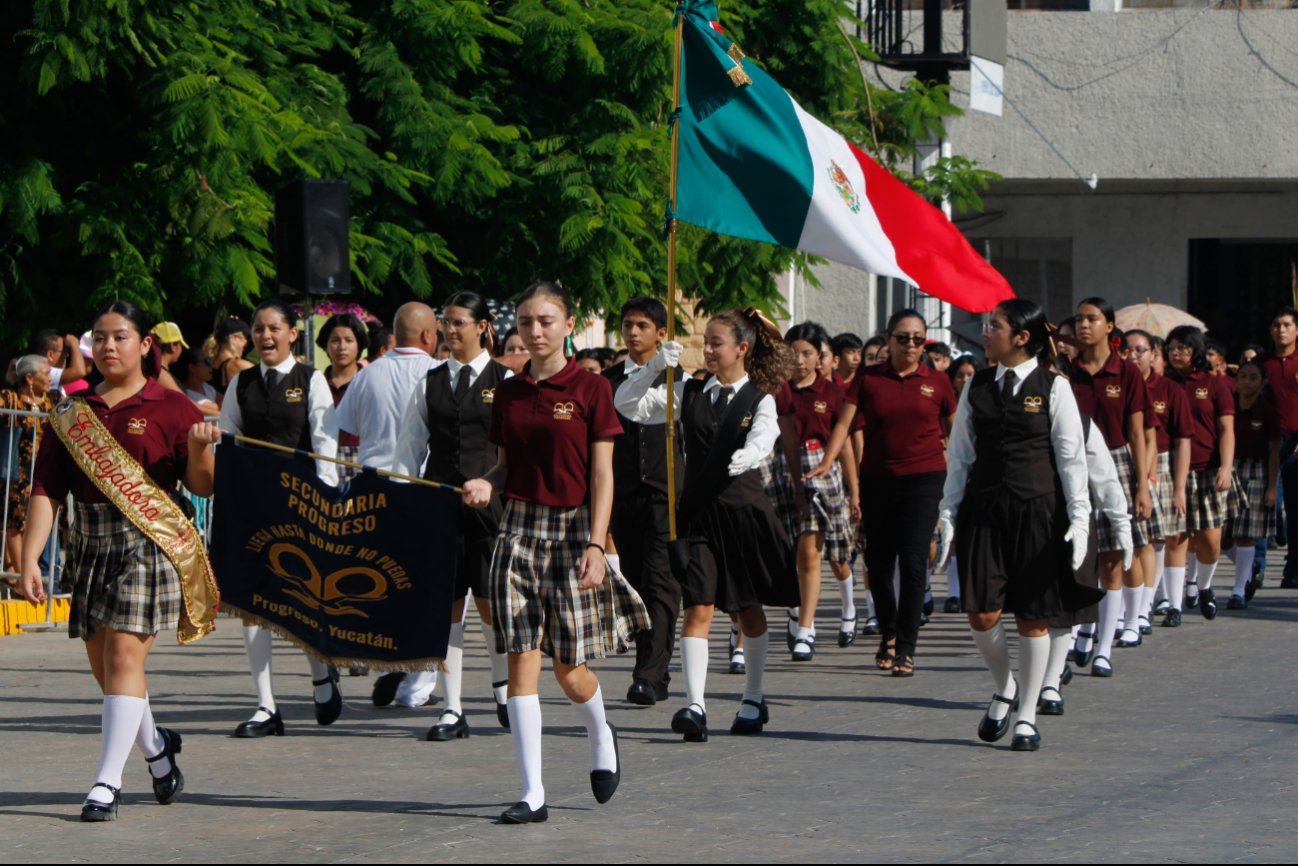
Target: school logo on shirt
(294, 395)
(488, 395)
(1032, 404)
(563, 411)
(748, 421)
(1113, 391)
(1255, 424)
(820, 406)
(927, 390)
(1201, 393)
(1160, 407)
(137, 426)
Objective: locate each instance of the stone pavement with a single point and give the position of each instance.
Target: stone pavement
(1190, 753)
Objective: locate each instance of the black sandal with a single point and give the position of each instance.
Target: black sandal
(886, 656)
(904, 667)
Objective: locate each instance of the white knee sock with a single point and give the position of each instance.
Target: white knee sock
(499, 667)
(1192, 569)
(953, 579)
(1034, 656)
(453, 676)
(257, 642)
(1110, 616)
(1174, 585)
(525, 729)
(1131, 611)
(120, 723)
(870, 612)
(1244, 569)
(755, 656)
(1160, 564)
(150, 742)
(1205, 573)
(603, 756)
(1061, 641)
(694, 664)
(995, 650)
(846, 598)
(320, 671)
(1147, 603)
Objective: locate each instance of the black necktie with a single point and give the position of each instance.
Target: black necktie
(1007, 387)
(723, 401)
(462, 384)
(272, 378)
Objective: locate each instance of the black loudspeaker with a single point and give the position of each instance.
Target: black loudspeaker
(311, 238)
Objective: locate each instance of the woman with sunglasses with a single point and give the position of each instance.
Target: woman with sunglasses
(908, 409)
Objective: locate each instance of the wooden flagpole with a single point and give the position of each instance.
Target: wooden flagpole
(671, 276)
(247, 440)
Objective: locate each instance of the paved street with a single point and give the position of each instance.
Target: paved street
(1188, 754)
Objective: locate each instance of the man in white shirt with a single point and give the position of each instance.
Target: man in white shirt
(372, 409)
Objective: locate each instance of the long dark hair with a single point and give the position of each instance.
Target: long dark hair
(1189, 335)
(769, 361)
(477, 305)
(1024, 315)
(141, 324)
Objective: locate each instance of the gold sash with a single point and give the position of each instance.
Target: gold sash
(120, 478)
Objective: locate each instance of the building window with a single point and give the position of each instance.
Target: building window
(1039, 269)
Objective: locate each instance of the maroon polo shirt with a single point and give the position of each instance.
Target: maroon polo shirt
(903, 431)
(814, 409)
(153, 427)
(1169, 406)
(1111, 396)
(1282, 383)
(1209, 398)
(545, 430)
(1255, 428)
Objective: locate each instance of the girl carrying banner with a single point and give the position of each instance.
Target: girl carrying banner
(138, 563)
(732, 551)
(285, 403)
(552, 590)
(448, 423)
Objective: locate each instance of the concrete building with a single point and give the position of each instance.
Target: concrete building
(1146, 152)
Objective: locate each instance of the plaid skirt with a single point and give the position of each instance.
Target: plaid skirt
(1108, 536)
(352, 454)
(827, 507)
(535, 602)
(1257, 519)
(1209, 508)
(1165, 523)
(123, 581)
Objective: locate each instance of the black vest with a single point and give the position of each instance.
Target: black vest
(700, 427)
(457, 433)
(640, 453)
(278, 415)
(1019, 429)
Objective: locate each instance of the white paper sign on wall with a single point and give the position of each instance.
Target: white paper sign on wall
(986, 86)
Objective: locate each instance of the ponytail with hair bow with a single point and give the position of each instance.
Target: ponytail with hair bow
(761, 322)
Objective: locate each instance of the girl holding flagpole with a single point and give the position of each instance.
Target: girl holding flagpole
(285, 403)
(552, 589)
(127, 589)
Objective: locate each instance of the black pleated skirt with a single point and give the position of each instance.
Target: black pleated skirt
(740, 557)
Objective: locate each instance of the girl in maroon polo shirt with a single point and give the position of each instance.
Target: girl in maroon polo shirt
(552, 589)
(126, 589)
(908, 409)
(341, 338)
(1209, 499)
(815, 511)
(1257, 465)
(1112, 392)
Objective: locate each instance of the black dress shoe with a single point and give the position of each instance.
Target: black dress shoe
(847, 633)
(1067, 676)
(1172, 618)
(991, 730)
(168, 788)
(737, 663)
(952, 605)
(1208, 604)
(93, 811)
(603, 783)
(456, 730)
(328, 712)
(1102, 670)
(1080, 658)
(1050, 706)
(692, 724)
(502, 710)
(742, 727)
(641, 694)
(521, 813)
(274, 726)
(803, 649)
(1289, 582)
(385, 688)
(1025, 742)
(660, 692)
(1237, 602)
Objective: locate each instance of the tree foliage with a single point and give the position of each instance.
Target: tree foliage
(487, 143)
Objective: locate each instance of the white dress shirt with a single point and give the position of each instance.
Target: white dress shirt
(376, 400)
(412, 441)
(1066, 440)
(1107, 494)
(643, 404)
(320, 416)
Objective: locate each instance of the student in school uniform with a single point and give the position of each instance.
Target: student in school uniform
(1257, 466)
(126, 588)
(341, 337)
(285, 403)
(732, 552)
(553, 592)
(446, 430)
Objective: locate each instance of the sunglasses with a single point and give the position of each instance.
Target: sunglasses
(913, 339)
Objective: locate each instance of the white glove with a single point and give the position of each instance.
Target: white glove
(1078, 536)
(670, 352)
(945, 535)
(743, 460)
(1126, 546)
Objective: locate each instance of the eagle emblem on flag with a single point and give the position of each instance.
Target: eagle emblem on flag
(844, 186)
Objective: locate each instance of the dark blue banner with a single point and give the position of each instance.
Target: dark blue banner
(361, 574)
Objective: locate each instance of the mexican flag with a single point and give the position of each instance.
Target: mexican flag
(754, 164)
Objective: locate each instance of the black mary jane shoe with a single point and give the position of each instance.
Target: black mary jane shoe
(328, 712)
(169, 787)
(847, 633)
(1067, 676)
(692, 724)
(1025, 742)
(1145, 628)
(1050, 706)
(92, 811)
(250, 730)
(1207, 604)
(742, 727)
(991, 730)
(385, 688)
(502, 710)
(1080, 658)
(798, 654)
(1172, 618)
(1102, 670)
(443, 732)
(521, 813)
(603, 783)
(737, 664)
(641, 694)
